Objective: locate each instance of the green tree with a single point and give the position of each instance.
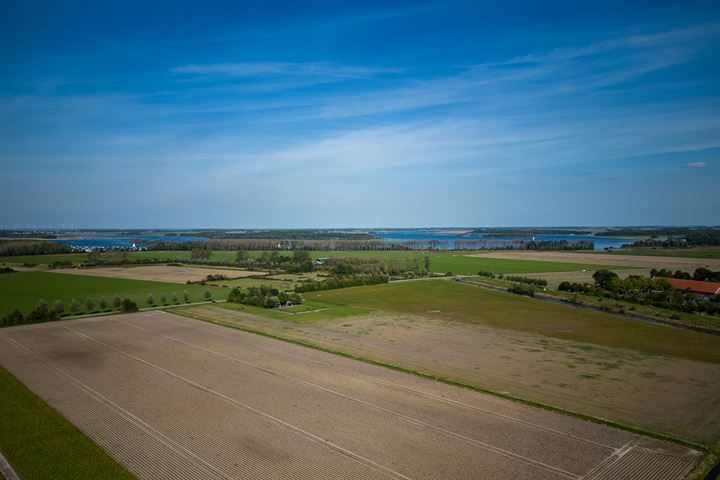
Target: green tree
(103, 303)
(59, 306)
(163, 298)
(129, 306)
(241, 256)
(186, 296)
(207, 294)
(74, 306)
(150, 300)
(42, 307)
(117, 303)
(175, 297)
(604, 277)
(89, 305)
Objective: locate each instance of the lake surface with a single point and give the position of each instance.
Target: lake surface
(124, 241)
(111, 240)
(450, 236)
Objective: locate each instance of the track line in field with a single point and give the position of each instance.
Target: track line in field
(426, 394)
(297, 430)
(130, 417)
(406, 418)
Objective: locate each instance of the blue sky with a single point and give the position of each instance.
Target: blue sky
(356, 114)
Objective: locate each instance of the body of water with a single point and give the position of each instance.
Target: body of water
(601, 243)
(123, 241)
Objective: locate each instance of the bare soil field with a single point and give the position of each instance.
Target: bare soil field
(670, 395)
(170, 397)
(639, 261)
(159, 273)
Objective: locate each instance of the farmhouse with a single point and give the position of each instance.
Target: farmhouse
(694, 286)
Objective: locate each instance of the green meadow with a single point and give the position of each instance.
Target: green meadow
(22, 290)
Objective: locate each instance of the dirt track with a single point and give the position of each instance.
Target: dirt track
(639, 261)
(171, 397)
(159, 273)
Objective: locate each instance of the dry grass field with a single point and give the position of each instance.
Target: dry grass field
(159, 273)
(170, 397)
(636, 261)
(674, 396)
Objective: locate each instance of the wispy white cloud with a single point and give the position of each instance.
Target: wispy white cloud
(696, 165)
(264, 69)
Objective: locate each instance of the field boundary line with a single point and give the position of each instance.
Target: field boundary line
(112, 406)
(297, 430)
(602, 421)
(6, 469)
(426, 394)
(406, 418)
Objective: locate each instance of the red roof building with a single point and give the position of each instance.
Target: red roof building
(695, 286)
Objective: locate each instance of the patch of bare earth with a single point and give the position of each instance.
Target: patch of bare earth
(160, 273)
(171, 397)
(665, 394)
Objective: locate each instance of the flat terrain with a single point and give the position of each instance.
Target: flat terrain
(641, 374)
(637, 261)
(159, 273)
(171, 397)
(22, 290)
(457, 262)
(40, 444)
(694, 252)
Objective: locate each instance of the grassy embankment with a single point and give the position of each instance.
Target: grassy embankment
(22, 290)
(40, 444)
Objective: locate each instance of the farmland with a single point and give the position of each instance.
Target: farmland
(456, 262)
(608, 260)
(159, 273)
(41, 444)
(628, 371)
(187, 385)
(23, 290)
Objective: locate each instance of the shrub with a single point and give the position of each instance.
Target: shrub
(117, 303)
(89, 305)
(271, 302)
(74, 306)
(186, 296)
(163, 299)
(483, 273)
(59, 306)
(103, 303)
(150, 300)
(14, 318)
(520, 289)
(129, 306)
(42, 307)
(207, 294)
(540, 282)
(175, 297)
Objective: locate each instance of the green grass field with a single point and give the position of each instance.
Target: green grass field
(42, 445)
(442, 262)
(464, 303)
(310, 311)
(23, 290)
